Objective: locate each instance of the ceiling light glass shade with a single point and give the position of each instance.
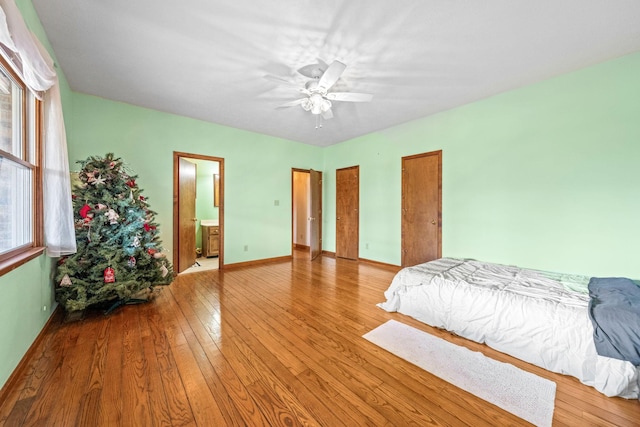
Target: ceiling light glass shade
(316, 102)
(306, 104)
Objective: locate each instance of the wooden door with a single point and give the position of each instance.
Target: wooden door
(347, 212)
(421, 208)
(315, 220)
(186, 214)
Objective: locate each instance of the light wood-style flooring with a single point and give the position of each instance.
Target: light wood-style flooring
(276, 344)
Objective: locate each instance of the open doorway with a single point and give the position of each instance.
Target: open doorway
(301, 210)
(306, 206)
(198, 212)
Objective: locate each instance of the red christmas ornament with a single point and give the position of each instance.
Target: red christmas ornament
(131, 183)
(151, 251)
(109, 275)
(148, 227)
(85, 211)
(132, 261)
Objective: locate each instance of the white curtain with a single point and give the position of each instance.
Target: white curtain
(34, 64)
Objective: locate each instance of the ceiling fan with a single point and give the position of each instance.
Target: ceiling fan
(317, 99)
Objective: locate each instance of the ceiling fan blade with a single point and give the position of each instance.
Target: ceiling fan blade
(327, 114)
(322, 63)
(331, 76)
(349, 96)
(287, 83)
(314, 70)
(291, 103)
(280, 80)
(311, 70)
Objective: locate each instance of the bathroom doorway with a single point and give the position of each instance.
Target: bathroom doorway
(198, 235)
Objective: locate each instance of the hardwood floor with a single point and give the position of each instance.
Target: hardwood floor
(276, 344)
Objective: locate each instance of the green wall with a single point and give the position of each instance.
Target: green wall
(544, 176)
(257, 169)
(26, 300)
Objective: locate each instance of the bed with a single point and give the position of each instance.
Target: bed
(540, 317)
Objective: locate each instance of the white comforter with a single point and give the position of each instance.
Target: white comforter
(535, 316)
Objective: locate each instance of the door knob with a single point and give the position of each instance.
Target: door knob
(433, 222)
(338, 218)
(194, 219)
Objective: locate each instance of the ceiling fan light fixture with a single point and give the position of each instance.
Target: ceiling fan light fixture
(316, 103)
(318, 100)
(306, 104)
(325, 105)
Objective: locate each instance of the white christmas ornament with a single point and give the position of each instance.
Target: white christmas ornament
(164, 270)
(112, 216)
(66, 281)
(99, 181)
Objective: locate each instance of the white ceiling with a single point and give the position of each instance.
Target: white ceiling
(207, 59)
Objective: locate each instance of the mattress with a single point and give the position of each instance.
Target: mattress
(536, 316)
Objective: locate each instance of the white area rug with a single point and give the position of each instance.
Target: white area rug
(522, 393)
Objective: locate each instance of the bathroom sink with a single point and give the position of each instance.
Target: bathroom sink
(208, 222)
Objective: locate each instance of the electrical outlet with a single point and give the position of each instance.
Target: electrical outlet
(366, 246)
(246, 248)
(44, 308)
(276, 203)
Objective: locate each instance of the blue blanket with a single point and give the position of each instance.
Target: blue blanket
(614, 310)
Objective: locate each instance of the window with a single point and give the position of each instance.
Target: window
(20, 172)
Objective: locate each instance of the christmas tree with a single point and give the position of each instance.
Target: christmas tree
(119, 252)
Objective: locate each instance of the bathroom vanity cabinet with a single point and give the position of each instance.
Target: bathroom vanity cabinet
(210, 240)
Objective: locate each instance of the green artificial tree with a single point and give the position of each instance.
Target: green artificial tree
(119, 252)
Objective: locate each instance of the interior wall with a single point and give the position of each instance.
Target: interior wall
(301, 205)
(257, 169)
(543, 177)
